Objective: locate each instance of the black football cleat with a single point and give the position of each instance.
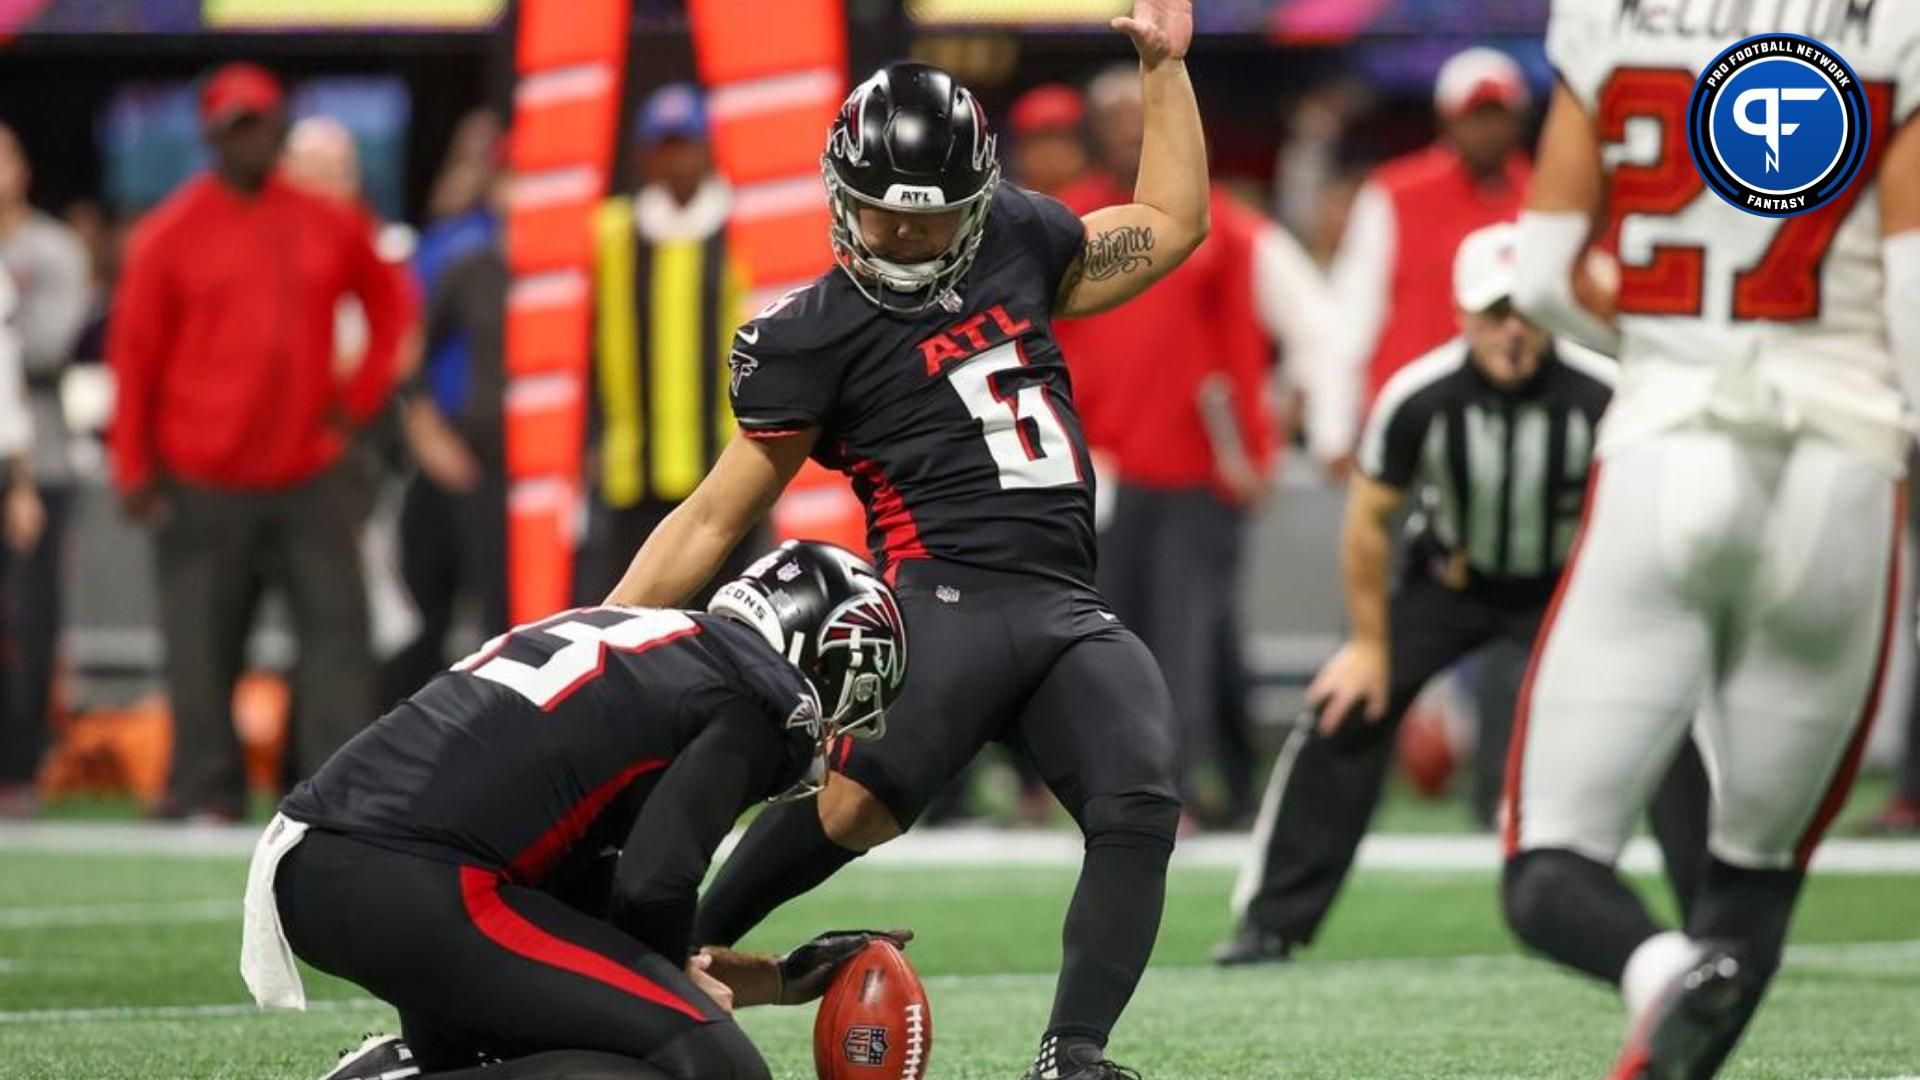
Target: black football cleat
(378, 1057)
(1250, 945)
(1689, 1031)
(1076, 1061)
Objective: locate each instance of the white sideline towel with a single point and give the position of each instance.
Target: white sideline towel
(266, 960)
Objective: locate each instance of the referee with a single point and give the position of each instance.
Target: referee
(1490, 436)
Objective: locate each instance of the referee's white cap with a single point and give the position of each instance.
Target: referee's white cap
(1483, 267)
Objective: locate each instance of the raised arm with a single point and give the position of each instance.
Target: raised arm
(688, 547)
(1130, 247)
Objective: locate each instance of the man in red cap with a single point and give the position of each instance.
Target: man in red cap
(229, 428)
(1049, 153)
(1408, 219)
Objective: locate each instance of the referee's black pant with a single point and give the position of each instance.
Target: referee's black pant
(1323, 790)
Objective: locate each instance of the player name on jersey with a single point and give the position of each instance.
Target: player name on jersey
(1837, 22)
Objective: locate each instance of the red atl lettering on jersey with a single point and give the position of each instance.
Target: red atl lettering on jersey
(963, 339)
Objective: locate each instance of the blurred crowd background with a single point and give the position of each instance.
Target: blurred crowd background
(219, 564)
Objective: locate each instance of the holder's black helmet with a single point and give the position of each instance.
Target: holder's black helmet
(909, 139)
(832, 616)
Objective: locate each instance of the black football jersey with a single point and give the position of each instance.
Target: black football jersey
(549, 740)
(955, 425)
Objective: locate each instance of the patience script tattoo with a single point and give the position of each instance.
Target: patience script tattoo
(1117, 251)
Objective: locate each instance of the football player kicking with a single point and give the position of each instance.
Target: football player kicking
(924, 367)
(1737, 571)
(510, 857)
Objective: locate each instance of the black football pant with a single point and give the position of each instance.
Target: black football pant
(1047, 668)
(214, 554)
(480, 968)
(1324, 789)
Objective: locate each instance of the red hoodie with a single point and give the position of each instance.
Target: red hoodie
(221, 338)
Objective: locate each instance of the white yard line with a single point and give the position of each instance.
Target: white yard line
(968, 847)
(174, 1012)
(1863, 955)
(129, 914)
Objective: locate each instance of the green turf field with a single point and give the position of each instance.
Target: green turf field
(118, 966)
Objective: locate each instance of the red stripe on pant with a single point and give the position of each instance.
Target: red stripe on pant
(507, 928)
(1523, 710)
(1849, 768)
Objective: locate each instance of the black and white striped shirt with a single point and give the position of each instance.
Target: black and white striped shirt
(1498, 475)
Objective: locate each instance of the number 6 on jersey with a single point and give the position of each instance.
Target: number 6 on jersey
(1024, 434)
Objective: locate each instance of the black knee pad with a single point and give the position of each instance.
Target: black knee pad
(717, 1051)
(1136, 819)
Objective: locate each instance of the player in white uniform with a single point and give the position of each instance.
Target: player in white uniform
(1737, 570)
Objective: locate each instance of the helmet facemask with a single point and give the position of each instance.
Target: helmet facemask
(905, 288)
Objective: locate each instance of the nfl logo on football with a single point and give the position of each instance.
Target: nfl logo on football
(866, 1045)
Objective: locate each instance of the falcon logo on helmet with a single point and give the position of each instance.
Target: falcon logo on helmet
(832, 616)
(909, 139)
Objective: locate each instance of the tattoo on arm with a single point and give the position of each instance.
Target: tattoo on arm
(1117, 251)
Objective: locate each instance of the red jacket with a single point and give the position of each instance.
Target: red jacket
(1436, 203)
(1137, 370)
(221, 338)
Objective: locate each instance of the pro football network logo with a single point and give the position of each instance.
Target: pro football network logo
(1778, 125)
(865, 1045)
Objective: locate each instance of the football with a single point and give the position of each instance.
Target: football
(874, 1022)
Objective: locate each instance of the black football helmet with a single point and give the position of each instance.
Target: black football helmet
(910, 139)
(832, 616)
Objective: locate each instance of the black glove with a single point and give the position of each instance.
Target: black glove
(806, 971)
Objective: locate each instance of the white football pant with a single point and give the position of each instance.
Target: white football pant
(1739, 586)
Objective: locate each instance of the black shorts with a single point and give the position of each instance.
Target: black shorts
(1038, 664)
(482, 968)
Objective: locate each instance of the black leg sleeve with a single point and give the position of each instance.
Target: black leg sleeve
(1748, 908)
(1575, 910)
(784, 854)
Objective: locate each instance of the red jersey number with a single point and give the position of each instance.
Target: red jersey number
(1784, 285)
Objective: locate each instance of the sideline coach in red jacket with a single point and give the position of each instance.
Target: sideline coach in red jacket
(228, 434)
